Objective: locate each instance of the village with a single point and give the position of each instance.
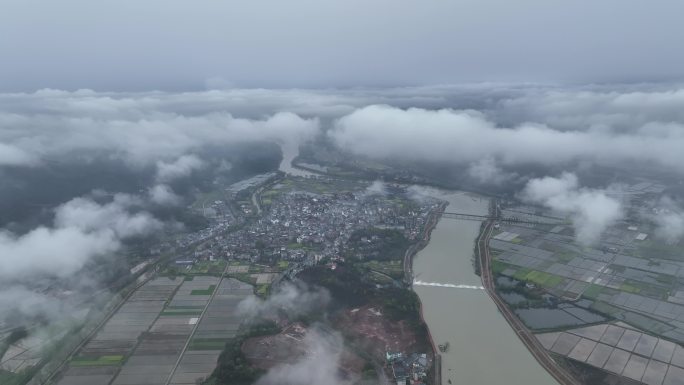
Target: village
(269, 229)
(305, 221)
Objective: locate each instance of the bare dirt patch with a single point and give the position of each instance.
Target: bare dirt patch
(369, 329)
(288, 347)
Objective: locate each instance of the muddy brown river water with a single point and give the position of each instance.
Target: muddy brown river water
(483, 349)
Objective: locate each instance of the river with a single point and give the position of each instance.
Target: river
(289, 153)
(483, 350)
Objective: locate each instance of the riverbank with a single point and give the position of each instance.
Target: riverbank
(483, 350)
(430, 224)
(408, 276)
(531, 342)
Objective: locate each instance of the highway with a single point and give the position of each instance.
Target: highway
(530, 341)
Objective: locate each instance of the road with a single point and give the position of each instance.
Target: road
(530, 341)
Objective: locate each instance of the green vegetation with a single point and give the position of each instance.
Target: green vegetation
(207, 343)
(244, 277)
(208, 291)
(666, 279)
(593, 291)
(345, 284)
(498, 267)
(351, 287)
(262, 290)
(14, 337)
(208, 267)
(394, 269)
(565, 256)
(214, 268)
(269, 194)
(232, 365)
(315, 186)
(181, 312)
(97, 361)
(401, 304)
(207, 198)
(542, 278)
(605, 308)
(629, 288)
(377, 244)
(657, 291)
(657, 249)
(21, 378)
(380, 278)
(521, 273)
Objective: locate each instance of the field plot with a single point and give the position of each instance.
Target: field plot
(613, 277)
(619, 349)
(98, 361)
(219, 323)
(193, 294)
(162, 334)
(155, 357)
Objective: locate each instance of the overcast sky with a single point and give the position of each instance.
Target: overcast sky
(176, 45)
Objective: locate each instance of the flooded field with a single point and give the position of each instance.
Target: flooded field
(484, 350)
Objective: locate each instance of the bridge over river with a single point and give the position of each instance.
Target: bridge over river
(481, 218)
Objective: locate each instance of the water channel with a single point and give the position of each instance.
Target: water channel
(483, 349)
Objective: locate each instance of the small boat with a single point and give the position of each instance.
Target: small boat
(443, 347)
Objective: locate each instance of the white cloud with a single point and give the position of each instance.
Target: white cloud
(83, 229)
(291, 299)
(468, 136)
(319, 366)
(669, 219)
(591, 210)
(486, 171)
(179, 168)
(670, 226)
(376, 188)
(142, 129)
(31, 304)
(52, 252)
(12, 156)
(163, 195)
(89, 216)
